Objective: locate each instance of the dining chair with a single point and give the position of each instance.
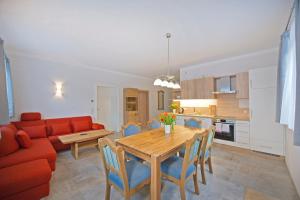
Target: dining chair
(128, 177)
(192, 122)
(129, 129)
(154, 124)
(205, 153)
(178, 170)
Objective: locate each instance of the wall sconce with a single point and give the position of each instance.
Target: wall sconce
(58, 89)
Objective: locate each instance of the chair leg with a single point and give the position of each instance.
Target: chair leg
(202, 167)
(210, 165)
(182, 190)
(107, 191)
(127, 196)
(196, 183)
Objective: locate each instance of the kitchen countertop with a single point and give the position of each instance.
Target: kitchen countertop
(215, 116)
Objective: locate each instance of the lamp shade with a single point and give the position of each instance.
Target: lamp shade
(176, 86)
(164, 83)
(157, 82)
(170, 84)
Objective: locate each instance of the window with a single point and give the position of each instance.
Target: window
(9, 88)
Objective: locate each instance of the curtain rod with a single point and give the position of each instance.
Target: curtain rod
(291, 14)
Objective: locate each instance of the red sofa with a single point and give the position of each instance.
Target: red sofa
(25, 173)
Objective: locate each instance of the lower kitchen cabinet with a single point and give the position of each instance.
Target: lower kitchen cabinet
(242, 134)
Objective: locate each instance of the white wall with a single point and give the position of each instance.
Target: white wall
(34, 87)
(231, 65)
(292, 158)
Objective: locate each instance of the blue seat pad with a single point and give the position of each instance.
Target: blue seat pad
(173, 167)
(136, 174)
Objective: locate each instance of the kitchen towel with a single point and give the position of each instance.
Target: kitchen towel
(226, 128)
(219, 127)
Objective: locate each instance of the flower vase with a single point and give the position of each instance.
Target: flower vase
(167, 129)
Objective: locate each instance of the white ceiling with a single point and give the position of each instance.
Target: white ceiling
(128, 36)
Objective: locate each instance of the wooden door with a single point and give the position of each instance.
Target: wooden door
(130, 105)
(242, 85)
(107, 107)
(143, 107)
(184, 89)
(199, 88)
(208, 88)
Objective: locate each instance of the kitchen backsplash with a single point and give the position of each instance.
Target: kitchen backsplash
(228, 105)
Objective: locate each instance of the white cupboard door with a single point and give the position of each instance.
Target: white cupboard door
(265, 134)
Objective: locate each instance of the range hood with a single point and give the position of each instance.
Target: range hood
(225, 85)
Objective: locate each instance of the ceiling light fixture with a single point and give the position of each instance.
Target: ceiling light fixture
(168, 80)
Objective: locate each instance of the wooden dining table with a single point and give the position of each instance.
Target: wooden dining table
(154, 147)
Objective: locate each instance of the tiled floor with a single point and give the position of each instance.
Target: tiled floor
(238, 174)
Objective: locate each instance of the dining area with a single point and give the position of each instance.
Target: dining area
(146, 156)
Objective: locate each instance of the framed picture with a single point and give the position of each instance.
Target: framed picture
(161, 100)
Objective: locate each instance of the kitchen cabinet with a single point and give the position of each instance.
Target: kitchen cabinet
(242, 134)
(176, 94)
(201, 88)
(242, 85)
(265, 134)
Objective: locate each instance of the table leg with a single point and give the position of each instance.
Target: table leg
(155, 178)
(74, 150)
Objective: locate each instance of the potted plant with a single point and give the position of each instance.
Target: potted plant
(174, 106)
(168, 120)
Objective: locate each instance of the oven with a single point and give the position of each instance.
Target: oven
(225, 129)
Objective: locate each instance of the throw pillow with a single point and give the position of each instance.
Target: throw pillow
(23, 139)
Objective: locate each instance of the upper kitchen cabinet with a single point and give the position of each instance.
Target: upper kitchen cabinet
(176, 94)
(242, 85)
(201, 88)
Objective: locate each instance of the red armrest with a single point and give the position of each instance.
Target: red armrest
(96, 126)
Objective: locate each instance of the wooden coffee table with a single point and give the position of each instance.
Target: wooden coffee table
(83, 139)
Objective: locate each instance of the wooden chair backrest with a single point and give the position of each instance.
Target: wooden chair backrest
(153, 124)
(192, 151)
(113, 159)
(193, 122)
(131, 128)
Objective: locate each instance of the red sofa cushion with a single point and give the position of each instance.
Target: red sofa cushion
(80, 126)
(96, 126)
(8, 142)
(57, 144)
(36, 131)
(23, 139)
(81, 123)
(21, 124)
(40, 149)
(31, 116)
(60, 129)
(24, 176)
(58, 121)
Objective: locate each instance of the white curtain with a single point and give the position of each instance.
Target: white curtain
(289, 84)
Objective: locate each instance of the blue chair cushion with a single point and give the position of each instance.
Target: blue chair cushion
(132, 130)
(136, 174)
(132, 157)
(173, 167)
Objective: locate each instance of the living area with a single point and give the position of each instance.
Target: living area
(149, 100)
